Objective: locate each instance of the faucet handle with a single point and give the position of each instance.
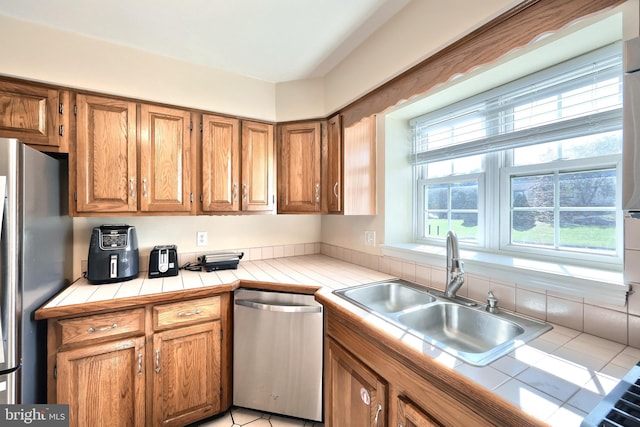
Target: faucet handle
(492, 303)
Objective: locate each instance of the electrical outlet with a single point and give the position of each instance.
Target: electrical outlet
(201, 238)
(369, 238)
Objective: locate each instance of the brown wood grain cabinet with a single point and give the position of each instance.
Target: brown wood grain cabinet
(108, 174)
(237, 165)
(37, 115)
(153, 365)
(258, 172)
(355, 395)
(410, 415)
(299, 167)
(105, 157)
(220, 164)
(334, 165)
(165, 159)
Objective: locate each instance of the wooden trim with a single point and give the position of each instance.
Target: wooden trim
(510, 31)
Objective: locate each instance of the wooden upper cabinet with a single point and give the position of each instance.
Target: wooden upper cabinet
(299, 150)
(105, 155)
(35, 115)
(220, 164)
(334, 165)
(236, 165)
(359, 168)
(257, 167)
(165, 159)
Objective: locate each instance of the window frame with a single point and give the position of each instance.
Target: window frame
(494, 231)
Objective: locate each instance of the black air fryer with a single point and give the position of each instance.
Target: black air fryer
(113, 254)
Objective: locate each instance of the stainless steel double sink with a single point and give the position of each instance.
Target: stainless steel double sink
(457, 326)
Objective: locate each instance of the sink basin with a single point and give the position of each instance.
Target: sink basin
(462, 328)
(388, 297)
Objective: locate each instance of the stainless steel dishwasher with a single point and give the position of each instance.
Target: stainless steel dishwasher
(277, 353)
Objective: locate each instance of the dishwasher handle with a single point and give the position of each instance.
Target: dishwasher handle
(283, 308)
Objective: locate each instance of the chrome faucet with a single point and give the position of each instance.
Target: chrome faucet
(455, 273)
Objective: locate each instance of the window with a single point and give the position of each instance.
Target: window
(531, 167)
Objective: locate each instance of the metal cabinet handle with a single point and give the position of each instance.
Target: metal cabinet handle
(91, 330)
(280, 308)
(139, 364)
(235, 191)
(335, 189)
(245, 191)
(132, 188)
(157, 361)
(317, 192)
(189, 313)
(144, 187)
(378, 413)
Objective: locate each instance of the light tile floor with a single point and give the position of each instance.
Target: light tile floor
(237, 417)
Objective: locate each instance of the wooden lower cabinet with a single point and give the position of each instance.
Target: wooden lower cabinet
(186, 374)
(410, 415)
(153, 365)
(356, 396)
(104, 384)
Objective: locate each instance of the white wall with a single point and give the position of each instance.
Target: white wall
(224, 232)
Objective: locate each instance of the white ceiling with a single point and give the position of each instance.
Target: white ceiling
(271, 40)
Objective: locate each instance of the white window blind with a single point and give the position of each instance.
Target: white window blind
(575, 98)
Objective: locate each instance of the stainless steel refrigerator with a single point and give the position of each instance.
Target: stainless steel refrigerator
(35, 256)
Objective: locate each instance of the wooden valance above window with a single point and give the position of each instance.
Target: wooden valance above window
(512, 30)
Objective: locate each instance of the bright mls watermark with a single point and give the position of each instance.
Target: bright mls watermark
(34, 415)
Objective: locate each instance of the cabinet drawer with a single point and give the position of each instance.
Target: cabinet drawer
(100, 326)
(184, 312)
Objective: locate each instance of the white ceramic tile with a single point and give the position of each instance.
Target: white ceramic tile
(580, 357)
(634, 331)
(408, 271)
(423, 274)
(244, 416)
(605, 323)
(477, 287)
(631, 233)
(596, 347)
(506, 294)
(224, 420)
(565, 370)
(530, 303)
(278, 251)
(585, 400)
(632, 265)
(565, 312)
(255, 254)
(633, 302)
(566, 416)
(527, 354)
(486, 376)
(509, 365)
(548, 383)
(277, 421)
(529, 399)
(438, 277)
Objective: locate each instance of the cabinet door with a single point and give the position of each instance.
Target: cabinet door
(356, 396)
(187, 374)
(359, 166)
(410, 416)
(299, 168)
(220, 164)
(334, 165)
(103, 384)
(165, 159)
(30, 113)
(257, 167)
(106, 155)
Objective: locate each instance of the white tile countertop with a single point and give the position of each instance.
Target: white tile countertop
(558, 378)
